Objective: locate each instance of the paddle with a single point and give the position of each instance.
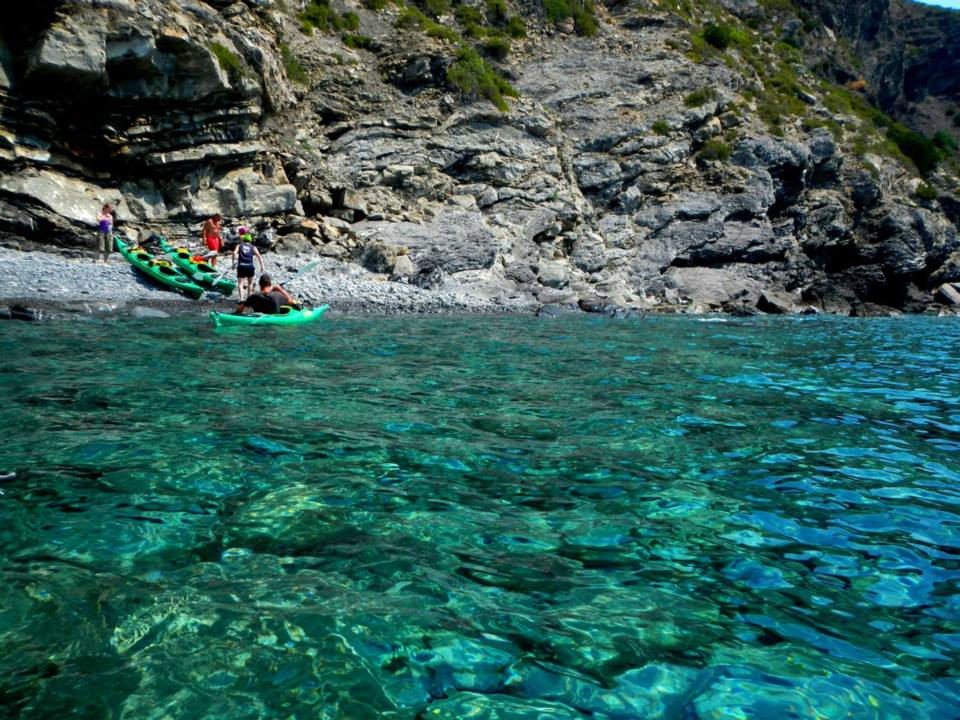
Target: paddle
(308, 266)
(296, 273)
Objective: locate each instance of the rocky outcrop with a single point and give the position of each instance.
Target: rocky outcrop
(624, 175)
(908, 54)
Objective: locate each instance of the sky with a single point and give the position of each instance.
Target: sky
(955, 4)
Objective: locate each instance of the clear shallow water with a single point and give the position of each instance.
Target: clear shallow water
(486, 518)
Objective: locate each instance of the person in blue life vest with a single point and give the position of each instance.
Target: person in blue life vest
(243, 258)
(268, 301)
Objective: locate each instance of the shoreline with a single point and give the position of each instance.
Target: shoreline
(39, 285)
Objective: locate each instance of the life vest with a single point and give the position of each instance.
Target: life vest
(245, 255)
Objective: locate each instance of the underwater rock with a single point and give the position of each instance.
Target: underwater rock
(268, 447)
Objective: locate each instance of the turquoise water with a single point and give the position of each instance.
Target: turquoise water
(481, 518)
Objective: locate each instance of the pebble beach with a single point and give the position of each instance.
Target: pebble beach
(59, 285)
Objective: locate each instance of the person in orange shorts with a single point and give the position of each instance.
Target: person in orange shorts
(211, 237)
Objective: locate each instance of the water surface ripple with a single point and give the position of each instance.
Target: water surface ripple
(493, 518)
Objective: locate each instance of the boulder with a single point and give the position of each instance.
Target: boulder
(551, 311)
(912, 239)
(71, 54)
(520, 272)
(403, 267)
(774, 303)
(72, 199)
(948, 294)
(147, 313)
(455, 241)
(293, 244)
(378, 257)
(588, 252)
(740, 242)
(553, 274)
(427, 278)
(28, 314)
(6, 65)
(334, 250)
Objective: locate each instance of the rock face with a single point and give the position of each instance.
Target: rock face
(911, 54)
(626, 174)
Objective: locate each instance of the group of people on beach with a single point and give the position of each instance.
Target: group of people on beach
(268, 300)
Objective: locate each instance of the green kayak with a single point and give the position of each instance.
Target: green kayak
(198, 269)
(289, 316)
(159, 269)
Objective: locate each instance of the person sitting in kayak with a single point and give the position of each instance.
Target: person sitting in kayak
(268, 301)
(243, 256)
(211, 237)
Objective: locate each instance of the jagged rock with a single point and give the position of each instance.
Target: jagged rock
(865, 190)
(455, 241)
(549, 312)
(949, 271)
(774, 304)
(293, 244)
(588, 252)
(553, 274)
(912, 239)
(713, 286)
(147, 313)
(740, 242)
(948, 294)
(378, 257)
(334, 250)
(72, 53)
(28, 314)
(427, 278)
(520, 272)
(75, 200)
(403, 267)
(743, 8)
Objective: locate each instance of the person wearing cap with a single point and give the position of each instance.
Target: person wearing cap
(268, 301)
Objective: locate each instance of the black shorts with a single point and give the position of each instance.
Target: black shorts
(244, 272)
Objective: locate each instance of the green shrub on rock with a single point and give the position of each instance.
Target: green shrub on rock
(317, 15)
(295, 71)
(228, 61)
(720, 36)
(661, 127)
(497, 11)
(700, 97)
(557, 10)
(926, 192)
(715, 150)
(471, 75)
(584, 21)
(516, 28)
(361, 42)
(582, 12)
(411, 18)
(468, 15)
(320, 16)
(917, 147)
(945, 142)
(435, 8)
(497, 47)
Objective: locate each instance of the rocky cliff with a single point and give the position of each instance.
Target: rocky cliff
(691, 155)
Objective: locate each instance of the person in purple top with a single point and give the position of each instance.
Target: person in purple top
(105, 233)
